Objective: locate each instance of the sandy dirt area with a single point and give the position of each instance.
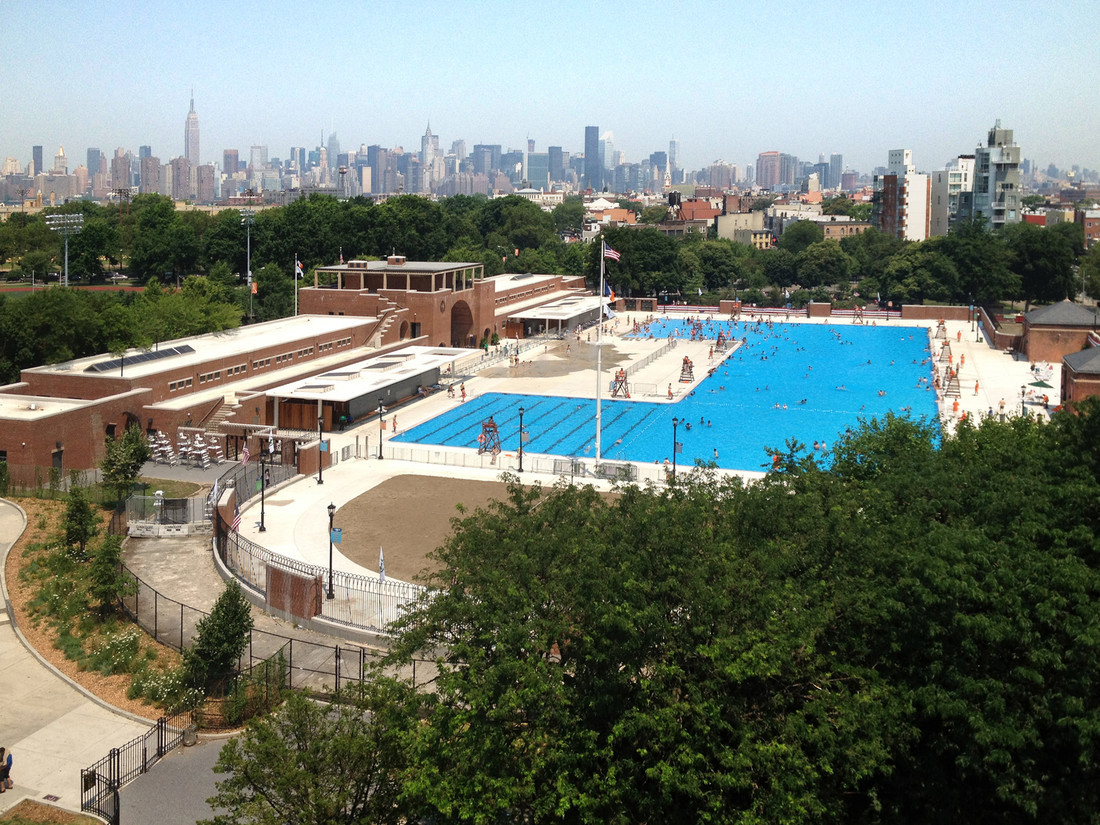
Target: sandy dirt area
(408, 516)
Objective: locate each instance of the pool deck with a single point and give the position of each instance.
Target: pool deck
(296, 517)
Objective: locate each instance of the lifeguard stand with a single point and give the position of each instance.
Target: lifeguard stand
(941, 331)
(945, 353)
(687, 371)
(620, 386)
(489, 440)
(721, 344)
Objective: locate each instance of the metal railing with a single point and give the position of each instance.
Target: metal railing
(193, 510)
(99, 784)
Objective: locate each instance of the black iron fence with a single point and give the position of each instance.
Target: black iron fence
(322, 667)
(99, 784)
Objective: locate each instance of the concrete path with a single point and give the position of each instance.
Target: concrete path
(52, 729)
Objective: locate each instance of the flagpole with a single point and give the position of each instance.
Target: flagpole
(599, 354)
(295, 283)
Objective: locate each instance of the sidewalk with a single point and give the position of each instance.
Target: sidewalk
(52, 729)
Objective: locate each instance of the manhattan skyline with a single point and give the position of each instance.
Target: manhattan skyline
(727, 81)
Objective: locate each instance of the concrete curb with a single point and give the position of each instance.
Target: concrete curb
(133, 717)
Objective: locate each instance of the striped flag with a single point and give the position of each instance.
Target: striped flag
(298, 271)
(245, 455)
(608, 252)
(381, 566)
(236, 518)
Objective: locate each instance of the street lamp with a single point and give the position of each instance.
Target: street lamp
(248, 217)
(67, 225)
(320, 449)
(331, 594)
(263, 487)
(1023, 395)
(381, 427)
(675, 421)
(521, 439)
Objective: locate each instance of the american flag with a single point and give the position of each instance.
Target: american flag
(608, 252)
(236, 518)
(245, 455)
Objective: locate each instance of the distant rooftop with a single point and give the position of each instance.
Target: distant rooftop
(1064, 314)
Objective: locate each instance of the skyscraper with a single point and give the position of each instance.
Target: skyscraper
(557, 163)
(836, 169)
(191, 136)
(997, 179)
(230, 161)
(36, 157)
(767, 169)
(593, 170)
(95, 161)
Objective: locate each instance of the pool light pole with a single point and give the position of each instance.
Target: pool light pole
(1023, 395)
(330, 594)
(263, 487)
(381, 427)
(320, 449)
(521, 439)
(675, 422)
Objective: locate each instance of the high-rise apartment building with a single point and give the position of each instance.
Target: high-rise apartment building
(790, 169)
(767, 170)
(902, 199)
(121, 176)
(150, 183)
(997, 179)
(556, 160)
(205, 184)
(230, 161)
(593, 169)
(538, 170)
(951, 193)
(191, 135)
(36, 159)
(181, 179)
(95, 161)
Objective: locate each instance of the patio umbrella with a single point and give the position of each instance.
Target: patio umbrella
(1042, 384)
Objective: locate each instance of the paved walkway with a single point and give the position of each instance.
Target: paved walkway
(52, 729)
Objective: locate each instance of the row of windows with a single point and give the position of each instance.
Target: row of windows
(179, 385)
(263, 362)
(206, 378)
(237, 370)
(282, 359)
(302, 353)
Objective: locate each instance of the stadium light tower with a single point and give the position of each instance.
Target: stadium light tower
(67, 225)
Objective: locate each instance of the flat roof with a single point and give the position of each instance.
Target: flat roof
(371, 375)
(502, 283)
(408, 266)
(214, 346)
(564, 309)
(35, 407)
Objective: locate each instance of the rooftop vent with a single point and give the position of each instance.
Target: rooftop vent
(396, 260)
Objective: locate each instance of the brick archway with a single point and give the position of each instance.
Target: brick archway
(462, 322)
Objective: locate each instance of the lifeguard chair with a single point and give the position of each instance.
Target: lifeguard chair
(687, 371)
(941, 331)
(620, 387)
(721, 344)
(489, 440)
(946, 356)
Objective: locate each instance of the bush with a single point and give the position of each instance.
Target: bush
(221, 639)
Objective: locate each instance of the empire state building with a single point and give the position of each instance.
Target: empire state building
(191, 136)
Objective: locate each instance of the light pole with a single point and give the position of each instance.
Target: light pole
(248, 217)
(1023, 395)
(521, 439)
(320, 449)
(331, 594)
(381, 427)
(67, 225)
(263, 487)
(675, 422)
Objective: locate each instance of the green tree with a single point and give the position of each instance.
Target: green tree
(569, 214)
(275, 293)
(822, 264)
(1043, 261)
(981, 258)
(799, 235)
(220, 639)
(312, 764)
(1089, 272)
(80, 523)
(108, 580)
(123, 461)
(653, 214)
(920, 273)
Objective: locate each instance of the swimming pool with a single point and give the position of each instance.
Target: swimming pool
(805, 381)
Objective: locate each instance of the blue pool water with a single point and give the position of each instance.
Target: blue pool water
(838, 371)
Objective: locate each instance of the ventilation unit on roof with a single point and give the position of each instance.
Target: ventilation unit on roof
(396, 260)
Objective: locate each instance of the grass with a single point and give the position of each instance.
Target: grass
(171, 487)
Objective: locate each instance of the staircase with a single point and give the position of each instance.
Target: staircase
(227, 410)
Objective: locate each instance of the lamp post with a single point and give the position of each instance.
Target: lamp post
(67, 225)
(263, 487)
(381, 427)
(521, 439)
(1023, 395)
(675, 422)
(248, 217)
(331, 594)
(320, 442)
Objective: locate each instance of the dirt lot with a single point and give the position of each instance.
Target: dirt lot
(409, 516)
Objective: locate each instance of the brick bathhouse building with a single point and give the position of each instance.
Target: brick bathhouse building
(60, 415)
(1069, 333)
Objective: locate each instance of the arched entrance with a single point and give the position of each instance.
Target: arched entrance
(462, 321)
(404, 330)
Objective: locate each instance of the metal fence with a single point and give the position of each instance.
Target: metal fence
(322, 667)
(160, 510)
(99, 784)
(245, 479)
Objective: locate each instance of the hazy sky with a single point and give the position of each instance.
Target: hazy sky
(727, 79)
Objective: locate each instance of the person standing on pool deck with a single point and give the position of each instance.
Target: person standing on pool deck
(463, 388)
